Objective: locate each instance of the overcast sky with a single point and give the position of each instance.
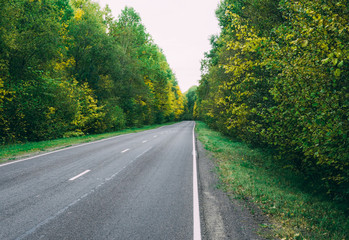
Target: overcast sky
(181, 28)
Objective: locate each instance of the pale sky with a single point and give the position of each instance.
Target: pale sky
(181, 28)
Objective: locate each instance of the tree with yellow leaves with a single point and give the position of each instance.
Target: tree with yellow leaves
(278, 76)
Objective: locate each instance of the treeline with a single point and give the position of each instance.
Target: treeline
(278, 76)
(68, 68)
(190, 103)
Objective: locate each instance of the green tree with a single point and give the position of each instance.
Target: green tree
(69, 68)
(191, 97)
(277, 75)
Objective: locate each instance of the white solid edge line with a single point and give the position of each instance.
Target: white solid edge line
(79, 175)
(196, 208)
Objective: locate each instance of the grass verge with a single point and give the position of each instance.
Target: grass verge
(253, 175)
(17, 151)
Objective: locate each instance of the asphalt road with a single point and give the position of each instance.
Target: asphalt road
(134, 186)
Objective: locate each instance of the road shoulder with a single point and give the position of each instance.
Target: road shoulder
(221, 216)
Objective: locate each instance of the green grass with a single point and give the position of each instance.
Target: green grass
(254, 175)
(17, 151)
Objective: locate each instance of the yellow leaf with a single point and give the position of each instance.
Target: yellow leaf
(324, 61)
(304, 43)
(335, 61)
(337, 73)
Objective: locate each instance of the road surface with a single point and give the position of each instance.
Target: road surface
(134, 186)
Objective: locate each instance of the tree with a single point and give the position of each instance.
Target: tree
(277, 75)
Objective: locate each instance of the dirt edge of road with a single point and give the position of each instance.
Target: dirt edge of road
(223, 217)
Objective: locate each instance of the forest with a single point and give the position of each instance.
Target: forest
(69, 68)
(277, 77)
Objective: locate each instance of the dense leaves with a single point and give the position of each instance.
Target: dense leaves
(68, 68)
(190, 104)
(278, 76)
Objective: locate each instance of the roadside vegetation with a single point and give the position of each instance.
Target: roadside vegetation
(286, 197)
(277, 77)
(70, 68)
(274, 89)
(21, 150)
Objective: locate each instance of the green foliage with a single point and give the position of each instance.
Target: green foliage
(252, 174)
(68, 68)
(191, 98)
(149, 88)
(32, 42)
(277, 76)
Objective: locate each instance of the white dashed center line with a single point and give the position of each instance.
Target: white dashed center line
(77, 176)
(125, 150)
